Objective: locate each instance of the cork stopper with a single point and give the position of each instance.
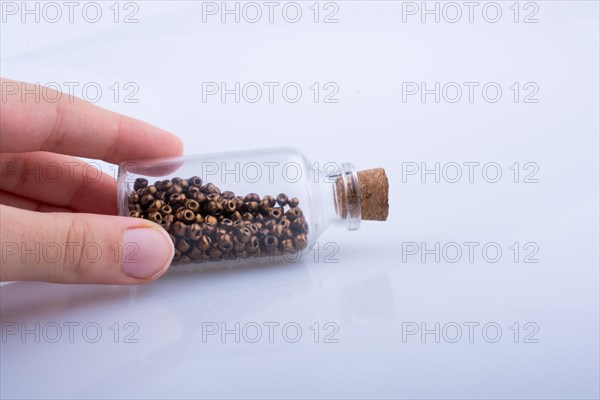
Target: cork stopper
(373, 188)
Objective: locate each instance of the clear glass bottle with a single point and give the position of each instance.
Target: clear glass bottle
(251, 205)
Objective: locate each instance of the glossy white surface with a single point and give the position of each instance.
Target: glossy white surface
(363, 292)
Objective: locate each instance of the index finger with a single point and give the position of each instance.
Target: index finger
(72, 126)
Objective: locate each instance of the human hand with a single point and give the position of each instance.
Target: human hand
(56, 223)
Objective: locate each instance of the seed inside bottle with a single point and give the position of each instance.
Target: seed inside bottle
(207, 224)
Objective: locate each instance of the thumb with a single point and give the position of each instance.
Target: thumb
(81, 248)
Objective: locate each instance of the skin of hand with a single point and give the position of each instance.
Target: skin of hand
(56, 223)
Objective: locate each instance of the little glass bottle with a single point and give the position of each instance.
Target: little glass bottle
(251, 205)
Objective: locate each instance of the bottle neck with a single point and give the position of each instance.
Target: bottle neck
(341, 191)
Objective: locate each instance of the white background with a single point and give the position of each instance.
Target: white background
(375, 290)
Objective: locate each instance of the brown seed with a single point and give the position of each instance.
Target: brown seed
(254, 229)
(184, 184)
(204, 243)
(305, 227)
(133, 198)
(270, 224)
(155, 205)
(252, 197)
(135, 207)
(288, 234)
(230, 206)
(188, 216)
(194, 232)
(213, 196)
(199, 219)
(210, 188)
(226, 222)
(236, 216)
(251, 206)
(195, 181)
(146, 200)
(184, 260)
(178, 228)
(200, 198)
(155, 216)
(195, 253)
(135, 214)
(220, 231)
(165, 185)
(298, 224)
(228, 195)
(243, 235)
(176, 199)
(166, 209)
(285, 223)
(239, 202)
(177, 255)
(179, 213)
(247, 216)
(151, 190)
(165, 223)
(269, 200)
(209, 229)
(293, 202)
(225, 242)
(253, 245)
(170, 218)
(293, 213)
(203, 258)
(214, 208)
(301, 241)
(162, 196)
(183, 245)
(277, 230)
(270, 241)
(177, 180)
(140, 183)
(211, 219)
(287, 245)
(214, 253)
(275, 213)
(175, 189)
(282, 199)
(192, 205)
(192, 190)
(264, 206)
(237, 245)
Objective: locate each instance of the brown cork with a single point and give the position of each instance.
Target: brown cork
(373, 188)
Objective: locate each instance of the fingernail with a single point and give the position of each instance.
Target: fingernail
(147, 251)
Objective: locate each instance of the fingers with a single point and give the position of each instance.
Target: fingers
(62, 181)
(81, 248)
(68, 125)
(14, 200)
